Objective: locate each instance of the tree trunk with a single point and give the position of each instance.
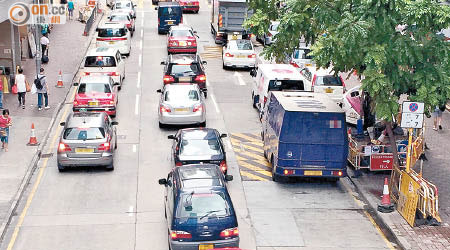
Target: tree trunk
(393, 143)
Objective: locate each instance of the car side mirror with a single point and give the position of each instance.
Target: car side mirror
(116, 83)
(172, 137)
(204, 62)
(156, 8)
(223, 135)
(195, 32)
(75, 84)
(159, 91)
(62, 123)
(163, 63)
(228, 177)
(114, 123)
(162, 182)
(97, 29)
(134, 5)
(253, 72)
(124, 57)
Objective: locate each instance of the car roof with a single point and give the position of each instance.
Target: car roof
(119, 12)
(95, 79)
(102, 51)
(203, 190)
(280, 71)
(168, 4)
(198, 133)
(86, 119)
(200, 175)
(182, 58)
(180, 27)
(174, 87)
(111, 25)
(321, 71)
(306, 101)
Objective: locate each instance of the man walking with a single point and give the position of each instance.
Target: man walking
(44, 43)
(42, 90)
(70, 7)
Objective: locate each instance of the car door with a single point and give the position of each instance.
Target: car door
(120, 65)
(169, 199)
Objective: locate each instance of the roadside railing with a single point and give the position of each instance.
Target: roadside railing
(90, 21)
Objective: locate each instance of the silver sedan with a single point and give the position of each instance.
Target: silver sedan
(181, 104)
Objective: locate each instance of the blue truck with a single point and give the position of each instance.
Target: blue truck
(304, 135)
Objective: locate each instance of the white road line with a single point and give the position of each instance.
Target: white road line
(215, 103)
(142, 21)
(229, 145)
(239, 78)
(207, 83)
(136, 106)
(130, 211)
(140, 60)
(138, 84)
(185, 22)
(142, 33)
(140, 44)
(134, 148)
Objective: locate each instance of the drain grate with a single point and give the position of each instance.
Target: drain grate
(46, 155)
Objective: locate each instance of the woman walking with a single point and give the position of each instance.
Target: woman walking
(5, 123)
(21, 83)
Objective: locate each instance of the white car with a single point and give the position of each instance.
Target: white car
(269, 37)
(301, 58)
(115, 35)
(239, 53)
(351, 104)
(125, 5)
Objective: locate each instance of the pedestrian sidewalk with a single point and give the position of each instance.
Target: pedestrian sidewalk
(66, 50)
(436, 170)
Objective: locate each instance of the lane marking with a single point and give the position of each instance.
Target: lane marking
(244, 164)
(252, 176)
(136, 106)
(140, 44)
(239, 78)
(134, 148)
(215, 103)
(229, 145)
(138, 84)
(207, 83)
(142, 21)
(142, 33)
(38, 179)
(241, 144)
(361, 205)
(130, 211)
(140, 60)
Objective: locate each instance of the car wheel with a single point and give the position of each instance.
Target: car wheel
(120, 87)
(203, 124)
(275, 177)
(132, 33)
(61, 168)
(161, 125)
(223, 66)
(110, 167)
(206, 94)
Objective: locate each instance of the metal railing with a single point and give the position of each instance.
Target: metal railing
(90, 21)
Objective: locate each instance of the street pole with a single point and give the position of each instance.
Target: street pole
(38, 43)
(13, 49)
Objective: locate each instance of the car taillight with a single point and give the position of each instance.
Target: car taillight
(104, 146)
(62, 147)
(114, 74)
(344, 89)
(200, 78)
(164, 109)
(230, 232)
(252, 56)
(336, 173)
(175, 235)
(223, 166)
(314, 80)
(269, 34)
(295, 64)
(197, 107)
(128, 25)
(288, 172)
(265, 99)
(228, 55)
(85, 73)
(178, 164)
(168, 79)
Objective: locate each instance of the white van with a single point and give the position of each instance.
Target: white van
(114, 34)
(274, 77)
(104, 61)
(323, 81)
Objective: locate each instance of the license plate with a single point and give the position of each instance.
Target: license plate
(93, 103)
(182, 109)
(308, 64)
(182, 43)
(184, 79)
(169, 22)
(240, 56)
(205, 246)
(329, 90)
(312, 173)
(84, 150)
(111, 42)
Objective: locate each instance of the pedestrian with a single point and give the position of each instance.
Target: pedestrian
(5, 123)
(21, 83)
(42, 90)
(437, 115)
(70, 7)
(44, 43)
(1, 88)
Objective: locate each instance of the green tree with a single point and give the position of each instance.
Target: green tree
(393, 43)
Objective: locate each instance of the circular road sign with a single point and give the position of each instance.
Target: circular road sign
(413, 107)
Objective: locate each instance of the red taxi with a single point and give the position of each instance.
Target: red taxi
(181, 39)
(96, 93)
(190, 5)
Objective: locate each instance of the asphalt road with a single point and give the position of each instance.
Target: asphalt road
(123, 209)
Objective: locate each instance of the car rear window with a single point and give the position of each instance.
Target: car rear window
(169, 11)
(241, 45)
(181, 95)
(120, 5)
(278, 85)
(184, 69)
(100, 61)
(328, 81)
(274, 27)
(116, 18)
(112, 32)
(302, 54)
(94, 87)
(181, 33)
(84, 134)
(203, 205)
(199, 147)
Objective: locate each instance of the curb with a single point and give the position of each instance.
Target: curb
(37, 155)
(379, 219)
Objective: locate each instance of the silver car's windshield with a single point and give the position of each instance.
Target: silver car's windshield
(84, 134)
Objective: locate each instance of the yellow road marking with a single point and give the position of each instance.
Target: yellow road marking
(140, 4)
(256, 158)
(252, 176)
(239, 143)
(253, 168)
(361, 205)
(252, 139)
(38, 181)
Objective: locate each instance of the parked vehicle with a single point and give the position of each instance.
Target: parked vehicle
(322, 81)
(181, 104)
(115, 35)
(185, 68)
(190, 5)
(169, 14)
(125, 5)
(125, 18)
(269, 37)
(351, 104)
(199, 145)
(304, 134)
(88, 139)
(228, 16)
(274, 77)
(239, 54)
(301, 58)
(104, 61)
(181, 39)
(198, 209)
(96, 93)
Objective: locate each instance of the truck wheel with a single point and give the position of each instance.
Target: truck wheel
(275, 178)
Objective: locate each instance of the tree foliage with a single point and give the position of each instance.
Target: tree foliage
(393, 43)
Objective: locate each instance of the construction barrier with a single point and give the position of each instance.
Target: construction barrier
(90, 21)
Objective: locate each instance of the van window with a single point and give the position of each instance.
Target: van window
(169, 11)
(94, 87)
(84, 133)
(328, 81)
(278, 85)
(199, 205)
(112, 32)
(100, 61)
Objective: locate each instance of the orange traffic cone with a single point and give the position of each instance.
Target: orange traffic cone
(386, 206)
(60, 83)
(33, 140)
